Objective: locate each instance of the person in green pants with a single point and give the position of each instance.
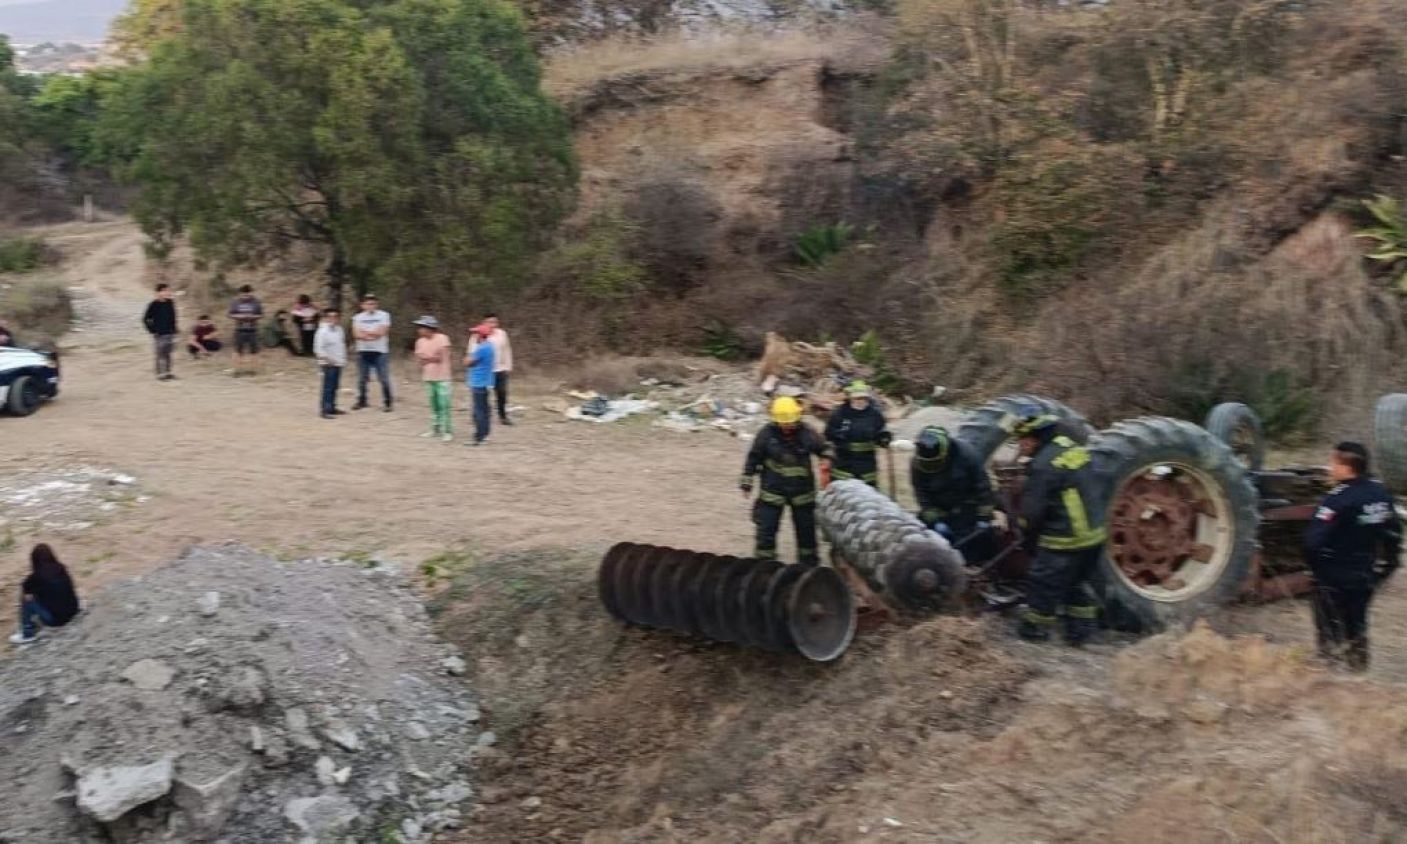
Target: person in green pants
(432, 349)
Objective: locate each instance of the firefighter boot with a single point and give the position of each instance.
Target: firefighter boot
(1035, 626)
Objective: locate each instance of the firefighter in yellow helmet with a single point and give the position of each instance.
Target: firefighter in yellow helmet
(1063, 519)
(782, 454)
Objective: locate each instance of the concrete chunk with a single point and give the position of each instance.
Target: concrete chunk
(149, 675)
(108, 793)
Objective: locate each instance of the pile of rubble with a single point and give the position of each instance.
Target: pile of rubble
(737, 402)
(232, 697)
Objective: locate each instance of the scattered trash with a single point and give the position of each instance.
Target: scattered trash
(598, 409)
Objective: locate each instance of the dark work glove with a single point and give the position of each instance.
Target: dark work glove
(884, 439)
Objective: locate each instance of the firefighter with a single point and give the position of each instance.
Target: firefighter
(782, 452)
(855, 430)
(1064, 525)
(954, 492)
(1353, 544)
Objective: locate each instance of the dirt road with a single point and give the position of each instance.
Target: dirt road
(218, 458)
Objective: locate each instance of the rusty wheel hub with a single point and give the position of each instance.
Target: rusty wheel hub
(1153, 528)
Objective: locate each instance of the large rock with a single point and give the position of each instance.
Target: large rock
(321, 818)
(208, 800)
(149, 675)
(107, 793)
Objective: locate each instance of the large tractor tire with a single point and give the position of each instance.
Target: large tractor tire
(989, 426)
(1182, 515)
(1390, 441)
(1239, 427)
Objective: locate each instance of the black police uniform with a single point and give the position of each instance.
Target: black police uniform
(1352, 545)
(1062, 517)
(784, 460)
(856, 434)
(954, 490)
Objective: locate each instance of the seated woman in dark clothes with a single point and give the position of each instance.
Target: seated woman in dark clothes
(204, 338)
(47, 597)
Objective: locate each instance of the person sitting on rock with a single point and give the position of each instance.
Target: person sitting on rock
(47, 596)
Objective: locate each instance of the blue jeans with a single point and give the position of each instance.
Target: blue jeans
(380, 363)
(33, 614)
(482, 417)
(331, 380)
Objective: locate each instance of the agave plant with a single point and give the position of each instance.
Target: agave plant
(1390, 235)
(820, 242)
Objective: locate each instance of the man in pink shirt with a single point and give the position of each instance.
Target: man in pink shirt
(432, 349)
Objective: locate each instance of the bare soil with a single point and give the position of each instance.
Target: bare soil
(943, 730)
(250, 459)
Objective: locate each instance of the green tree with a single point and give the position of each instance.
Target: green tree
(67, 112)
(411, 138)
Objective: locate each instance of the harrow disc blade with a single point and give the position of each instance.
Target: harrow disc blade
(778, 589)
(727, 600)
(606, 578)
(662, 608)
(821, 614)
(753, 603)
(627, 597)
(702, 592)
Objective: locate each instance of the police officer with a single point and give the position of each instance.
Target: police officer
(1353, 544)
(856, 429)
(782, 454)
(954, 492)
(1063, 521)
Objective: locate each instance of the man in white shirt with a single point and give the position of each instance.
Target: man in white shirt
(330, 346)
(371, 328)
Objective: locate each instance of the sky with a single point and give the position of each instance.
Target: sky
(31, 21)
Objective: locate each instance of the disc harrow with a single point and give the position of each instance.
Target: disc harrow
(890, 548)
(760, 603)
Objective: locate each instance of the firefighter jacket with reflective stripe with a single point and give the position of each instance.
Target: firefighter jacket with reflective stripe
(784, 461)
(856, 434)
(953, 488)
(1059, 504)
(1355, 537)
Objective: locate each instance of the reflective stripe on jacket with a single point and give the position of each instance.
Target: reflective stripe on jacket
(784, 461)
(1059, 503)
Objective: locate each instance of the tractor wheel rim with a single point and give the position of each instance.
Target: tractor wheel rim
(1171, 534)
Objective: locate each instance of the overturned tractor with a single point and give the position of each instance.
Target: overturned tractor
(1195, 522)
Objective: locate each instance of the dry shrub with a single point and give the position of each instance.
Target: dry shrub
(1199, 323)
(678, 218)
(38, 311)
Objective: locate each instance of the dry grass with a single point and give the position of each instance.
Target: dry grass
(38, 310)
(861, 43)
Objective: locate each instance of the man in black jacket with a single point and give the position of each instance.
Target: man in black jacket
(782, 454)
(856, 429)
(160, 320)
(954, 492)
(1063, 520)
(1353, 545)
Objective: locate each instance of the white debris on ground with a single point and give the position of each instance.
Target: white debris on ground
(61, 500)
(609, 410)
(736, 402)
(306, 702)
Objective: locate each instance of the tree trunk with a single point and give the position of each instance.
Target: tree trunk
(337, 274)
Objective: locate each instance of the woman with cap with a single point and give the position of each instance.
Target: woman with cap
(856, 429)
(432, 349)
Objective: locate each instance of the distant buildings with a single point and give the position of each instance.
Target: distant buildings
(67, 59)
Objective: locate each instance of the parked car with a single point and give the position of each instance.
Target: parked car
(27, 378)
